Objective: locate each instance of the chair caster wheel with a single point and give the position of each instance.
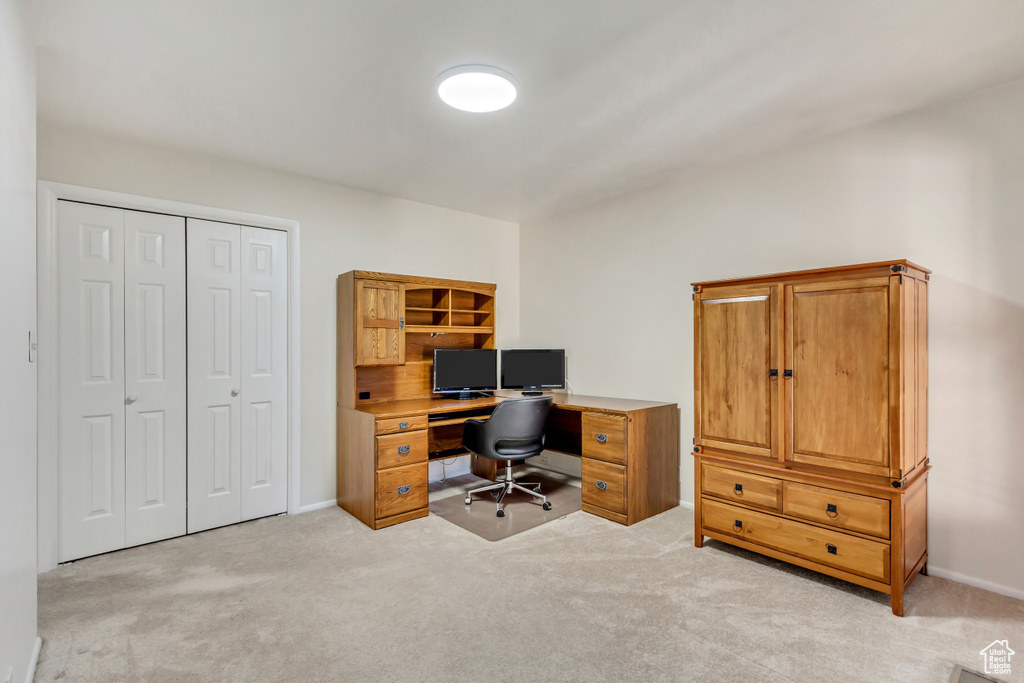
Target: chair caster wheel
(501, 513)
(547, 506)
(469, 501)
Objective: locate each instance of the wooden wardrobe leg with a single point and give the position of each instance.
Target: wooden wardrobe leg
(896, 599)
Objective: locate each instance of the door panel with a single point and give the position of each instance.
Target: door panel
(264, 358)
(838, 349)
(214, 374)
(380, 334)
(90, 266)
(736, 347)
(154, 347)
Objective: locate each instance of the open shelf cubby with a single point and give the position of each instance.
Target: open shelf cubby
(438, 310)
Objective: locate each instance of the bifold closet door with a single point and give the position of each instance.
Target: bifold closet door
(121, 364)
(237, 372)
(214, 374)
(264, 372)
(155, 394)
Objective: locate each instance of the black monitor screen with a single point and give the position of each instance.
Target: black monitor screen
(465, 370)
(533, 369)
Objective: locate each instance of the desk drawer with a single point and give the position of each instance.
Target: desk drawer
(604, 485)
(401, 424)
(604, 437)
(401, 449)
(837, 508)
(401, 489)
(742, 487)
(825, 546)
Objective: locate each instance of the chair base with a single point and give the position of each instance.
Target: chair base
(506, 485)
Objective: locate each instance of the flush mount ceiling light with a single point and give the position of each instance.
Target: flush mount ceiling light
(476, 88)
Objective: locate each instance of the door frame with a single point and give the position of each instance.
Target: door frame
(47, 195)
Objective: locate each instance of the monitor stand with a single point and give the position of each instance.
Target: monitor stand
(533, 393)
(470, 395)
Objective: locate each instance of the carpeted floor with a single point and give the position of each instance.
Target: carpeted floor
(319, 597)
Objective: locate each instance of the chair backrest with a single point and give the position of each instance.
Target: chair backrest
(517, 426)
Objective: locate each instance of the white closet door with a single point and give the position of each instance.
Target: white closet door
(264, 372)
(90, 266)
(214, 374)
(155, 424)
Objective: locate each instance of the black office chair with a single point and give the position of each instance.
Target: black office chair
(515, 431)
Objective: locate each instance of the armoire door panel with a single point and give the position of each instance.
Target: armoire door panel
(735, 356)
(155, 404)
(264, 358)
(91, 382)
(214, 374)
(838, 351)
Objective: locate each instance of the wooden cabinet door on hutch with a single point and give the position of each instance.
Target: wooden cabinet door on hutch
(379, 324)
(736, 369)
(838, 374)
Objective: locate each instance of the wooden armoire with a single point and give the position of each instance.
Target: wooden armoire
(810, 425)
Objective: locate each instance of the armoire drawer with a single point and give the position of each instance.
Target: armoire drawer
(401, 449)
(604, 485)
(604, 437)
(833, 548)
(742, 487)
(851, 511)
(401, 489)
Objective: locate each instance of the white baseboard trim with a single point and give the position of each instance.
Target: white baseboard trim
(31, 674)
(977, 583)
(686, 504)
(317, 506)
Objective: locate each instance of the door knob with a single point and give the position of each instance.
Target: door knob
(234, 392)
(131, 398)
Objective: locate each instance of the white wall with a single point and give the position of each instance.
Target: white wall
(341, 229)
(18, 316)
(943, 187)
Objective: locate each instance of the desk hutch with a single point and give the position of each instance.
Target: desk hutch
(390, 424)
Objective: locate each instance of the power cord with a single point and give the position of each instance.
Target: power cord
(444, 474)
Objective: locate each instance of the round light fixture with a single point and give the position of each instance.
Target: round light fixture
(476, 88)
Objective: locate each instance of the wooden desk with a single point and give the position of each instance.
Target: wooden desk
(630, 452)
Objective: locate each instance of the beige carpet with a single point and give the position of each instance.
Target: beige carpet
(319, 597)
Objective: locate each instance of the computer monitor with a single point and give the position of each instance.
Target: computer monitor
(465, 371)
(532, 369)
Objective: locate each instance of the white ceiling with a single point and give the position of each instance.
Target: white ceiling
(615, 95)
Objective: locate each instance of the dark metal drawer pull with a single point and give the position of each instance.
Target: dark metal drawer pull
(403, 425)
(602, 485)
(403, 449)
(603, 438)
(831, 510)
(831, 549)
(738, 489)
(738, 525)
(402, 490)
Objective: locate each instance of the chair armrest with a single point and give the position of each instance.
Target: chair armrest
(473, 436)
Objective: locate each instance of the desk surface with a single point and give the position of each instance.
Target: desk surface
(427, 406)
